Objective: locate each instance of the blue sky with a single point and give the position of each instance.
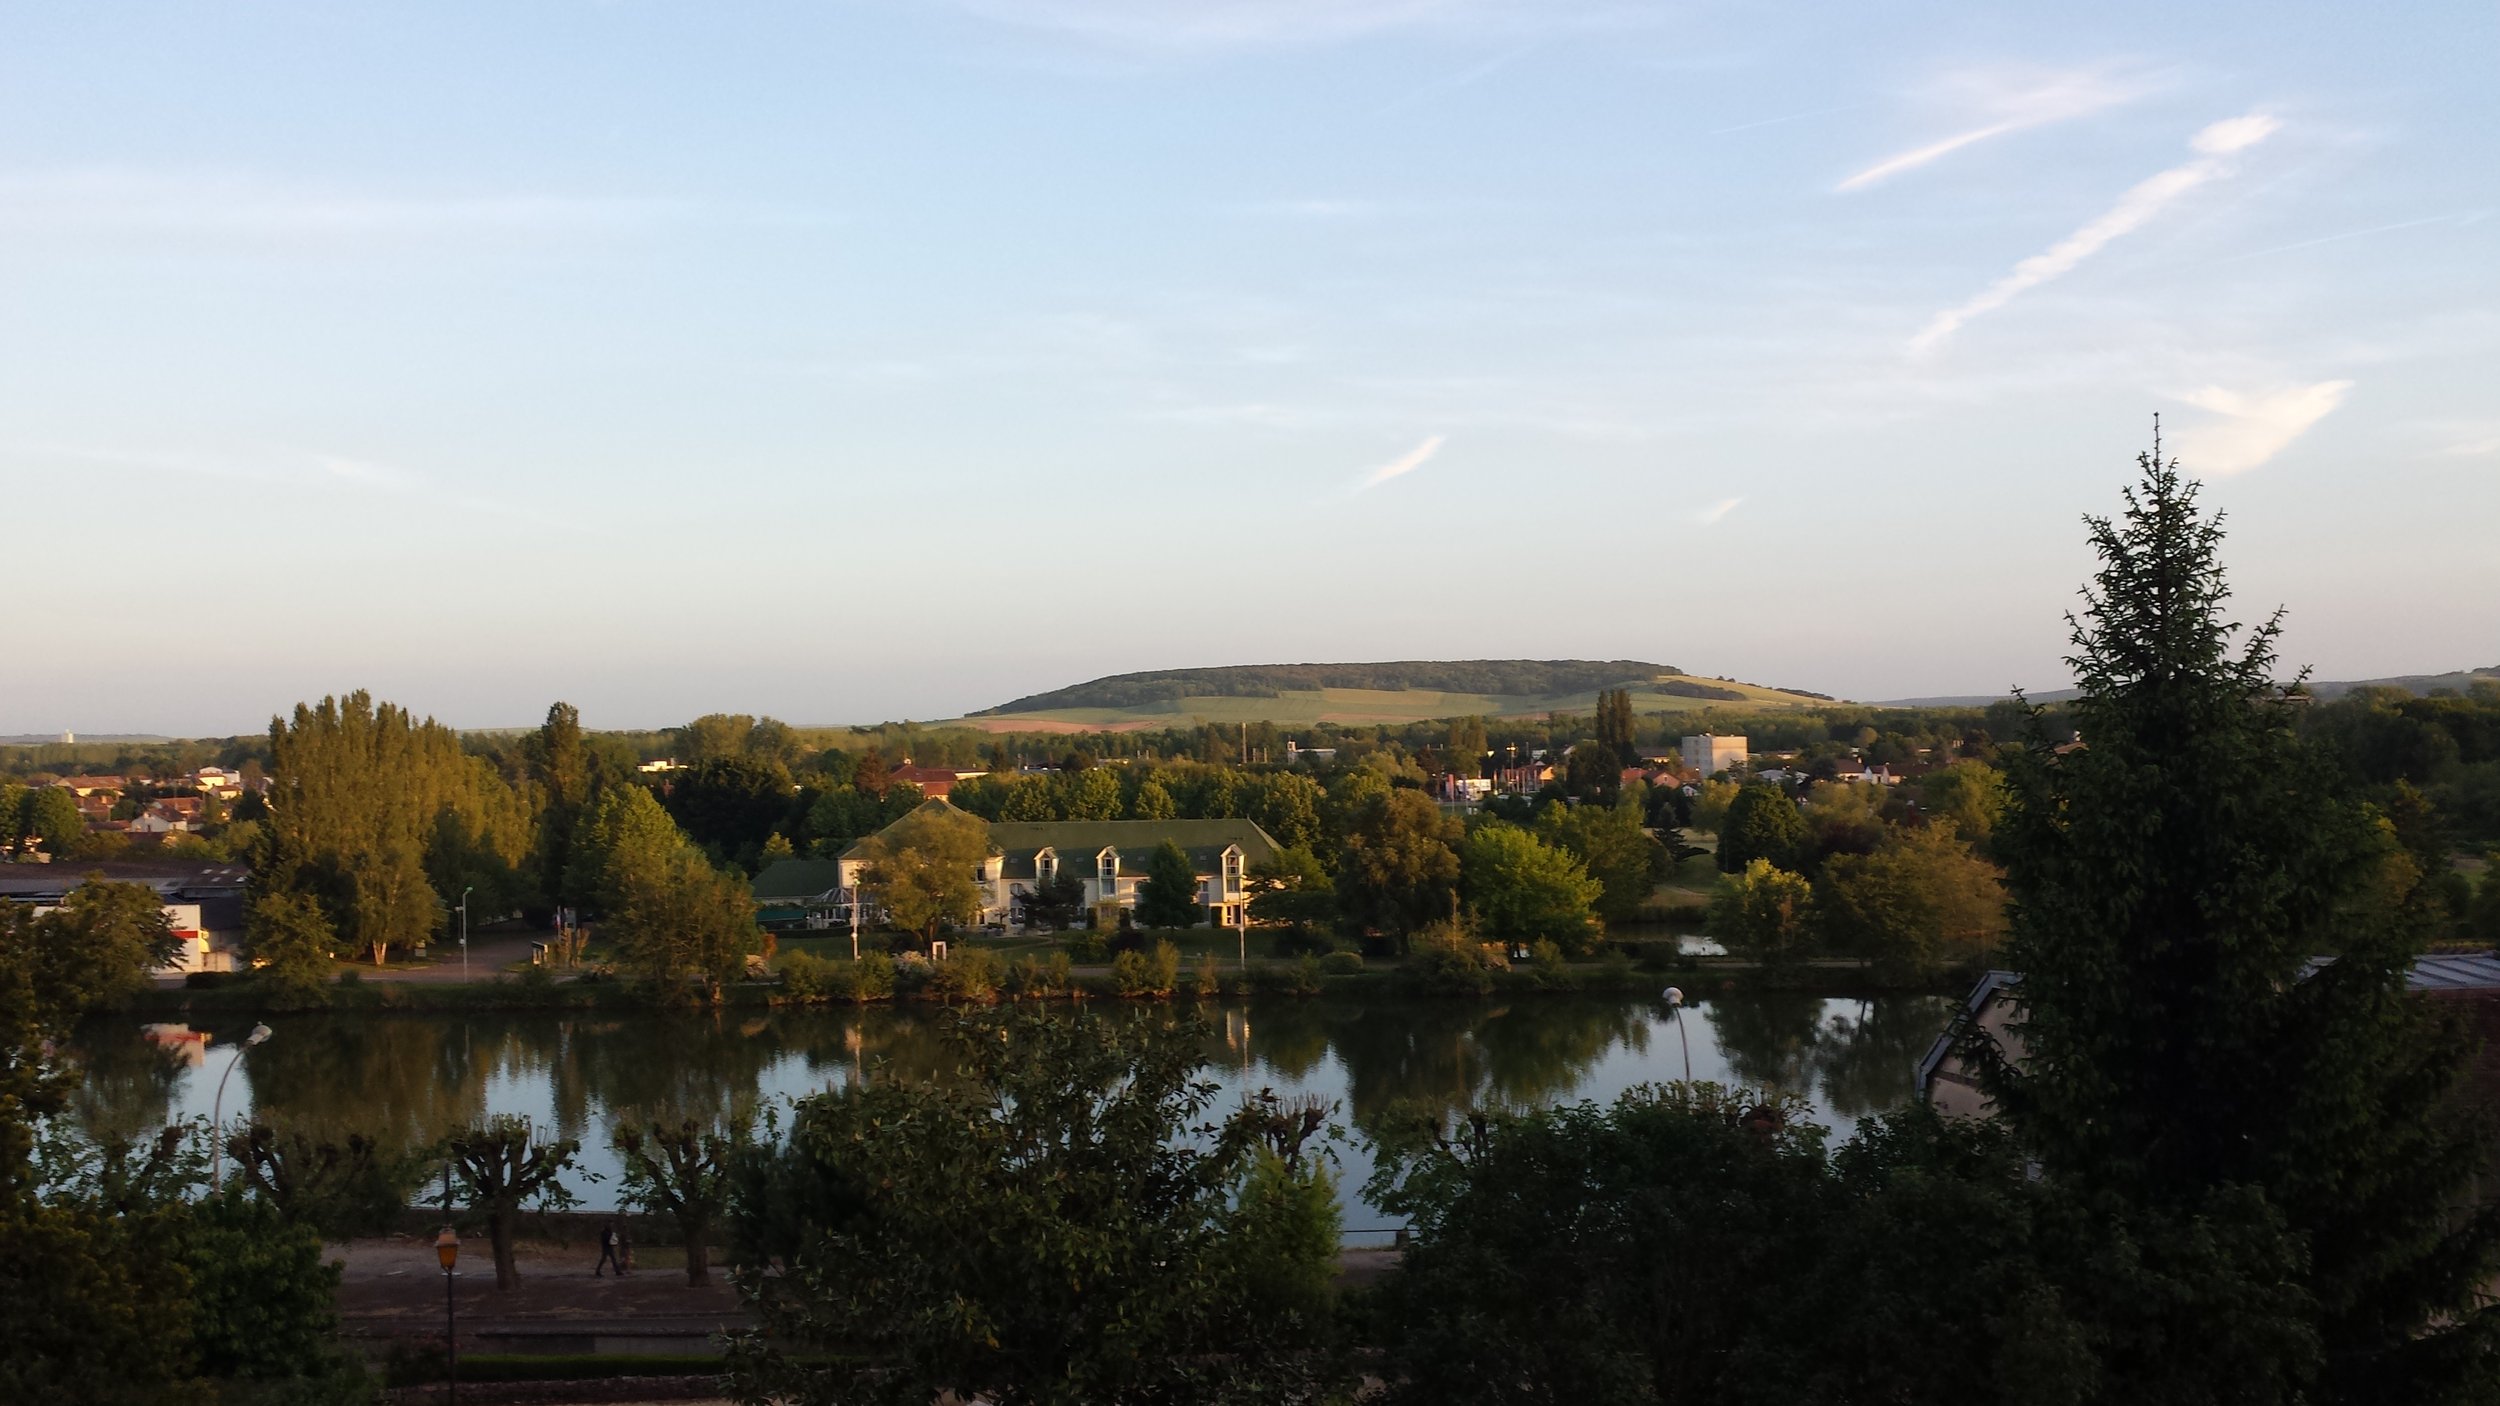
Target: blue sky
(849, 361)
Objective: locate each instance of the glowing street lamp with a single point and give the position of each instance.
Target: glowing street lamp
(447, 1249)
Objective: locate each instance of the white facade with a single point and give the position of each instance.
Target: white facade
(1710, 754)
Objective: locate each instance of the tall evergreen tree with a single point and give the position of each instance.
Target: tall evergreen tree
(1169, 896)
(2173, 879)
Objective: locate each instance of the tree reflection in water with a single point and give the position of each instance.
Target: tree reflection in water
(408, 1079)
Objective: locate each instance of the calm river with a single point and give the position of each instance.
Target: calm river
(411, 1077)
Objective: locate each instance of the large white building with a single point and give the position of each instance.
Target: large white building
(1108, 858)
(1709, 754)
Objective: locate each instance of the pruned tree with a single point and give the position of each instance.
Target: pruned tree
(503, 1167)
(681, 1170)
(344, 1187)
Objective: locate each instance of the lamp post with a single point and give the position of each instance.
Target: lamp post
(464, 930)
(447, 1249)
(217, 1110)
(1675, 1005)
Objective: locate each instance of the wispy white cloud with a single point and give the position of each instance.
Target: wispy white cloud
(1717, 511)
(1402, 465)
(2214, 147)
(2252, 428)
(292, 468)
(2462, 218)
(2012, 103)
(2471, 448)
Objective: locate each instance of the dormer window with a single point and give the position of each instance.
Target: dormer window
(1109, 871)
(1046, 865)
(1232, 869)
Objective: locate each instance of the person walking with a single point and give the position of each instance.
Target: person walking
(607, 1252)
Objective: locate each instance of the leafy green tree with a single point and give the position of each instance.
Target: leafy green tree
(1291, 889)
(289, 939)
(1610, 843)
(1921, 904)
(501, 1168)
(1169, 896)
(919, 870)
(626, 832)
(1152, 802)
(12, 814)
(1523, 890)
(1762, 823)
(1400, 869)
(52, 823)
(681, 1170)
(1765, 914)
(103, 942)
(1055, 903)
(1594, 774)
(1971, 795)
(1287, 806)
(561, 766)
(383, 819)
(1615, 726)
(680, 925)
(731, 805)
(1050, 1225)
(1091, 794)
(1467, 746)
(2173, 878)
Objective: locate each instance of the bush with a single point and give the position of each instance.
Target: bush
(1210, 976)
(1031, 976)
(1090, 946)
(1341, 963)
(871, 978)
(351, 977)
(1449, 961)
(210, 980)
(808, 977)
(967, 974)
(1135, 973)
(805, 976)
(1297, 941)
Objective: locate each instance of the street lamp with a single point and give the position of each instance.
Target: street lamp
(447, 1249)
(1675, 1006)
(464, 930)
(217, 1109)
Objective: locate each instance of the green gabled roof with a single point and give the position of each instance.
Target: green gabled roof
(790, 879)
(1078, 841)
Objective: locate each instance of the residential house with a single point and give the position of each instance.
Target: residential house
(934, 781)
(1298, 755)
(1108, 858)
(167, 815)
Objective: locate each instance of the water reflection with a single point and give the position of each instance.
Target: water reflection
(409, 1079)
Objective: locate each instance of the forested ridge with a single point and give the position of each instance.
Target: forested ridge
(1500, 676)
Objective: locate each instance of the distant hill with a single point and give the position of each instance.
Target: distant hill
(2330, 689)
(1401, 691)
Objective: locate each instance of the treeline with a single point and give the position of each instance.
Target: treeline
(381, 825)
(1494, 676)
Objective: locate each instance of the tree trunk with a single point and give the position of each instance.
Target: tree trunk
(698, 1259)
(499, 1230)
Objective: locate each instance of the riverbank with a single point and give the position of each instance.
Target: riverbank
(1697, 976)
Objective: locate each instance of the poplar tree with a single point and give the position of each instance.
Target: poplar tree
(2175, 877)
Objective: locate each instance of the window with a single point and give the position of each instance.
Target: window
(1232, 871)
(1046, 865)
